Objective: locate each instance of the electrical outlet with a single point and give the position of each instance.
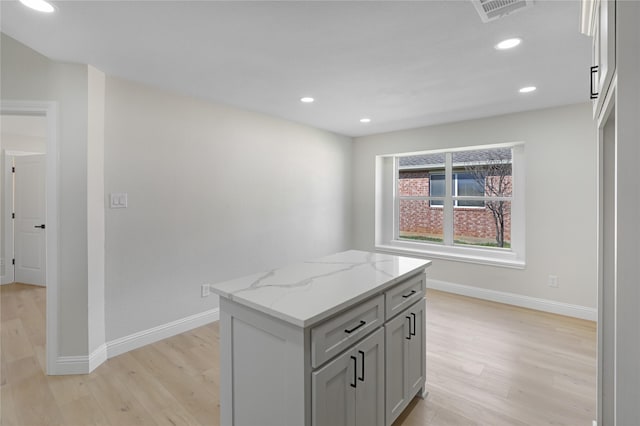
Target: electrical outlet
(205, 290)
(553, 281)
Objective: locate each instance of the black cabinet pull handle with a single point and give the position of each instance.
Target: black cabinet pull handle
(409, 337)
(351, 330)
(594, 71)
(414, 325)
(361, 378)
(39, 226)
(404, 296)
(355, 374)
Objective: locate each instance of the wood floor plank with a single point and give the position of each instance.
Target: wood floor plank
(8, 415)
(197, 396)
(34, 403)
(117, 401)
(15, 340)
(151, 393)
(67, 389)
(84, 411)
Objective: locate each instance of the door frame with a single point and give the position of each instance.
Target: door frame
(605, 324)
(49, 110)
(7, 238)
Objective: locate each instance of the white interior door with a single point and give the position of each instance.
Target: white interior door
(29, 225)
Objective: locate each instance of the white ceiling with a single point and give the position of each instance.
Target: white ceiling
(404, 64)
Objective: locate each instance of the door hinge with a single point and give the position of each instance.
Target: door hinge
(13, 169)
(13, 261)
(13, 215)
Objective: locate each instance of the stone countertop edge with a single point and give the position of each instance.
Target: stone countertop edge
(321, 316)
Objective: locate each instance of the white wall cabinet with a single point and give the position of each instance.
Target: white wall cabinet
(599, 21)
(349, 391)
(405, 354)
(306, 345)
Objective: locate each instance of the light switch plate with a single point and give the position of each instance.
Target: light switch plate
(118, 200)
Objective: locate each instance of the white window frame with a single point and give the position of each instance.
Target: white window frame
(387, 213)
(457, 197)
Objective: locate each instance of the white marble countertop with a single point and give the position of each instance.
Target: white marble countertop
(306, 293)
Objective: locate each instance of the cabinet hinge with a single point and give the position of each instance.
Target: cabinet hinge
(13, 261)
(13, 169)
(13, 215)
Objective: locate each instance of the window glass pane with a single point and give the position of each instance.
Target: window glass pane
(470, 185)
(491, 166)
(436, 187)
(413, 183)
(413, 174)
(488, 227)
(420, 222)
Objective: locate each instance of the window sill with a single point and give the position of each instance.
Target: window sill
(458, 254)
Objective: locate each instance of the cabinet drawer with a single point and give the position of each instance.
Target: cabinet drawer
(403, 295)
(338, 333)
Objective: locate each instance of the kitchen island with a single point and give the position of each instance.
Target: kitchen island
(339, 340)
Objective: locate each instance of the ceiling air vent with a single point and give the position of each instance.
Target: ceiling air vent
(494, 9)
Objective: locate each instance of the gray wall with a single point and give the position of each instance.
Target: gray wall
(561, 198)
(214, 193)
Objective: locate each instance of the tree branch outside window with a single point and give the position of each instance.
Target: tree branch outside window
(494, 172)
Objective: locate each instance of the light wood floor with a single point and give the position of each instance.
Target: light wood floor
(488, 364)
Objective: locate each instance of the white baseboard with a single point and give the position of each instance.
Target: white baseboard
(97, 357)
(66, 365)
(544, 305)
(152, 335)
(83, 364)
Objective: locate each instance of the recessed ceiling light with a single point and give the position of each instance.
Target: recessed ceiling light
(508, 43)
(39, 5)
(365, 120)
(307, 100)
(528, 89)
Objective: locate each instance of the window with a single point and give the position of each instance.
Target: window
(464, 184)
(462, 204)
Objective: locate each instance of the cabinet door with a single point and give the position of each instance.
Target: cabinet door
(370, 380)
(396, 358)
(416, 351)
(333, 392)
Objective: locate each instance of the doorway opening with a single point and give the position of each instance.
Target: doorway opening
(24, 144)
(29, 204)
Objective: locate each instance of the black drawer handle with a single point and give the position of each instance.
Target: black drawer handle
(361, 378)
(594, 71)
(39, 226)
(414, 325)
(404, 296)
(409, 336)
(355, 374)
(351, 330)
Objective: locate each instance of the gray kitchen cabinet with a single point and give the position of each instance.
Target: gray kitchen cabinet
(404, 359)
(349, 390)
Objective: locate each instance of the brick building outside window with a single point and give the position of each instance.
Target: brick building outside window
(481, 191)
